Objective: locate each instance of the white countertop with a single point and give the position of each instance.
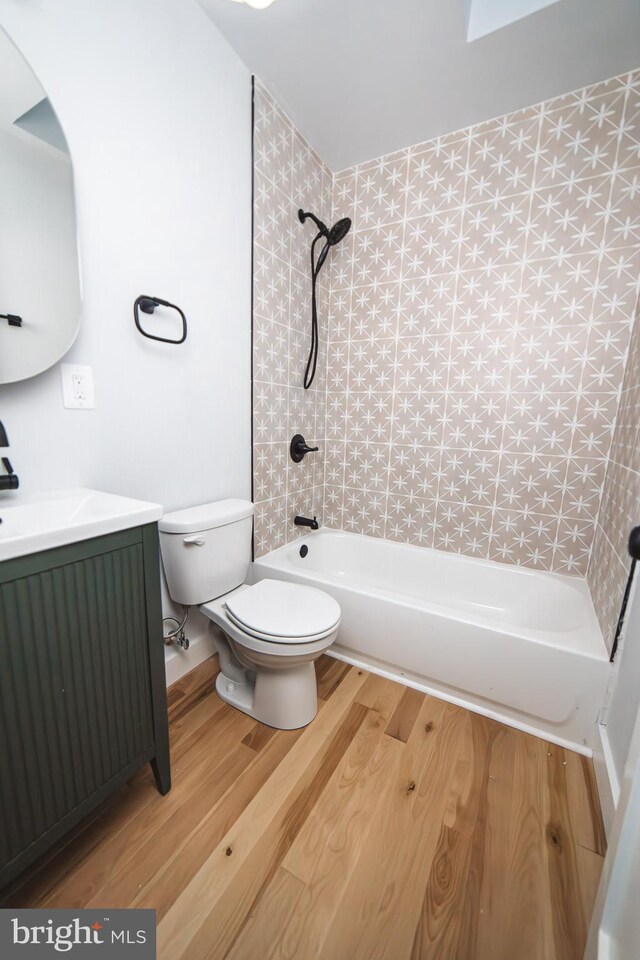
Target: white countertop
(34, 522)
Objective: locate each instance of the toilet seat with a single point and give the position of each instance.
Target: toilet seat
(279, 612)
(281, 641)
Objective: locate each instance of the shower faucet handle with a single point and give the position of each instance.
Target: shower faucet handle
(299, 448)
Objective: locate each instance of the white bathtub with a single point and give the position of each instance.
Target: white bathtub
(515, 644)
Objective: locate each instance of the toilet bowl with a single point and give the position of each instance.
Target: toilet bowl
(272, 632)
(267, 664)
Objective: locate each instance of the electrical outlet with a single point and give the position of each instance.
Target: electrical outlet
(77, 386)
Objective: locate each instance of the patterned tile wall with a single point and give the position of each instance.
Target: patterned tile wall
(620, 510)
(480, 315)
(474, 331)
(287, 175)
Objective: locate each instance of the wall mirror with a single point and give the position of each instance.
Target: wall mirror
(39, 274)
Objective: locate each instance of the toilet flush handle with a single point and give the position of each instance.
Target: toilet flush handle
(195, 541)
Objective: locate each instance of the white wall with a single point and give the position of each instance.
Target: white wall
(156, 110)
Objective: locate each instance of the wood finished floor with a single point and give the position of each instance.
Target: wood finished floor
(394, 827)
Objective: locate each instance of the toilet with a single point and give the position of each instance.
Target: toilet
(273, 631)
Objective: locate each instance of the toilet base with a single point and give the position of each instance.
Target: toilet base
(285, 699)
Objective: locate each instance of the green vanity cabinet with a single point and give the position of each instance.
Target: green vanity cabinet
(82, 685)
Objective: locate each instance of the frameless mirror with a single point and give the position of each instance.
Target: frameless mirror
(39, 274)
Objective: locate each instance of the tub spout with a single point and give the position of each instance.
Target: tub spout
(307, 522)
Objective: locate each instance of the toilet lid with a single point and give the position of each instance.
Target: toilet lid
(284, 611)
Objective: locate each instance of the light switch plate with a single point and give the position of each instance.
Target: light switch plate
(77, 386)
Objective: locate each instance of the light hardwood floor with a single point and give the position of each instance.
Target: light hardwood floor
(394, 827)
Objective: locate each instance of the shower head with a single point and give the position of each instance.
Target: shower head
(334, 235)
(338, 231)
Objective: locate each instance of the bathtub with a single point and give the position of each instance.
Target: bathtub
(518, 645)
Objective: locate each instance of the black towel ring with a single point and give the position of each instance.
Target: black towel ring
(148, 305)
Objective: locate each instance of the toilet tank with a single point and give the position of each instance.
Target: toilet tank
(206, 550)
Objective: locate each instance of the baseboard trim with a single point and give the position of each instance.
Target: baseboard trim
(179, 662)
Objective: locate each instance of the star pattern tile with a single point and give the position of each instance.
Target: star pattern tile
(475, 330)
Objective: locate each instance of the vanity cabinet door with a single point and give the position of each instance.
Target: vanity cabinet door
(75, 693)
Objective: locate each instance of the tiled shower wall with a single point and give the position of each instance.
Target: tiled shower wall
(288, 175)
(480, 314)
(620, 511)
(477, 320)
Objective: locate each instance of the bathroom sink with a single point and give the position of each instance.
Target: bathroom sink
(34, 522)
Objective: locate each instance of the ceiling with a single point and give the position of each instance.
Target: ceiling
(361, 78)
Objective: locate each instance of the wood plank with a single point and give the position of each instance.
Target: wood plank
(322, 665)
(264, 936)
(380, 909)
(259, 737)
(195, 723)
(567, 907)
(452, 892)
(190, 911)
(438, 930)
(242, 897)
(380, 694)
(405, 715)
(329, 846)
(184, 861)
(510, 854)
(332, 678)
(147, 859)
(328, 824)
(187, 692)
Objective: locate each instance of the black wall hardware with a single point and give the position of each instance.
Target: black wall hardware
(148, 305)
(10, 480)
(331, 236)
(299, 449)
(13, 320)
(307, 522)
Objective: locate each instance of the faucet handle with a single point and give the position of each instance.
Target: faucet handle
(299, 448)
